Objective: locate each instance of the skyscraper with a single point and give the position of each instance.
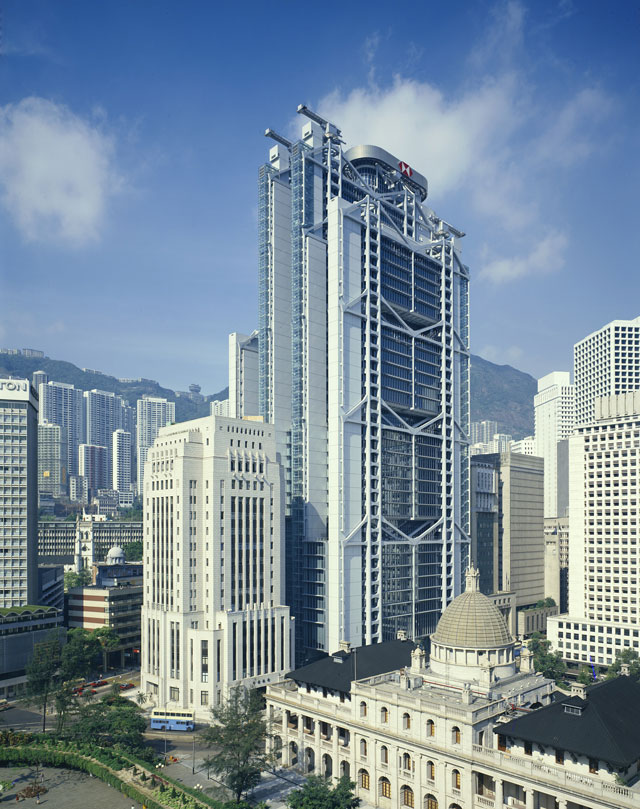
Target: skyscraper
(606, 363)
(244, 396)
(483, 431)
(18, 493)
(52, 459)
(554, 410)
(153, 413)
(106, 413)
(64, 405)
(364, 372)
(93, 467)
(121, 452)
(213, 615)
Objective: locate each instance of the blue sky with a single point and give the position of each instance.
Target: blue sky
(131, 136)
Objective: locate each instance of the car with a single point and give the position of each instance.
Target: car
(126, 686)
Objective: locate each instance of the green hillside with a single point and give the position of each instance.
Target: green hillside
(61, 371)
(503, 394)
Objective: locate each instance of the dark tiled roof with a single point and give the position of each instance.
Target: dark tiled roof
(607, 729)
(337, 671)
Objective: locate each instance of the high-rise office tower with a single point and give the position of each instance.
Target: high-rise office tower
(121, 453)
(106, 413)
(18, 493)
(64, 405)
(153, 413)
(213, 615)
(604, 524)
(92, 464)
(364, 372)
(554, 410)
(244, 395)
(52, 459)
(39, 378)
(483, 431)
(606, 363)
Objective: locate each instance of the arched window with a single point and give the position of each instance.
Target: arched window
(384, 715)
(431, 728)
(363, 779)
(384, 754)
(455, 779)
(384, 787)
(406, 721)
(406, 761)
(363, 709)
(430, 802)
(363, 748)
(407, 796)
(455, 735)
(431, 771)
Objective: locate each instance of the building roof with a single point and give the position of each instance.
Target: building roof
(472, 621)
(339, 670)
(607, 727)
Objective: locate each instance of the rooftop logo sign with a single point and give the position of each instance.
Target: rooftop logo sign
(405, 169)
(14, 385)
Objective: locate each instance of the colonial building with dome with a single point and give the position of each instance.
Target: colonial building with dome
(470, 727)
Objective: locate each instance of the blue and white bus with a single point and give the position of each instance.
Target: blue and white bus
(172, 720)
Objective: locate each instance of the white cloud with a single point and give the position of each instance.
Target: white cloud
(57, 172)
(495, 141)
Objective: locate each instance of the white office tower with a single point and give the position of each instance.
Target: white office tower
(244, 394)
(606, 363)
(39, 378)
(121, 452)
(219, 407)
(483, 431)
(18, 493)
(364, 372)
(64, 405)
(212, 616)
(554, 410)
(92, 465)
(153, 413)
(524, 446)
(106, 413)
(53, 475)
(604, 524)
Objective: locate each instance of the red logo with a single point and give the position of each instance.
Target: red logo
(405, 168)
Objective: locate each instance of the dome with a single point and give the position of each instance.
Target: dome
(472, 621)
(116, 556)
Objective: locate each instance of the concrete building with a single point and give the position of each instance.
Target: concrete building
(501, 442)
(153, 413)
(90, 537)
(524, 446)
(465, 728)
(244, 393)
(122, 457)
(554, 411)
(606, 363)
(78, 489)
(39, 378)
(21, 629)
(364, 373)
(482, 432)
(18, 493)
(93, 465)
(485, 521)
(52, 460)
(64, 405)
(105, 413)
(51, 586)
(556, 561)
(219, 407)
(214, 615)
(604, 524)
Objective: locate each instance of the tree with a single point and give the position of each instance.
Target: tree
(80, 653)
(239, 734)
(42, 673)
(628, 656)
(585, 675)
(111, 720)
(133, 551)
(317, 793)
(550, 665)
(81, 579)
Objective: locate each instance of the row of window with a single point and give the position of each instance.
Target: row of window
(406, 792)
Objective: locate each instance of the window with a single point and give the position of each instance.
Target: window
(407, 796)
(363, 779)
(406, 761)
(384, 716)
(528, 748)
(593, 765)
(455, 779)
(559, 756)
(363, 709)
(363, 748)
(384, 788)
(431, 771)
(384, 755)
(455, 735)
(431, 728)
(406, 721)
(430, 802)
(502, 742)
(174, 694)
(204, 698)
